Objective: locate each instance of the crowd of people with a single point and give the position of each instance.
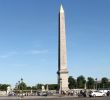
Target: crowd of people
(82, 93)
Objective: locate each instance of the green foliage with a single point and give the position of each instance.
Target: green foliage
(90, 83)
(108, 84)
(39, 86)
(104, 82)
(81, 82)
(53, 86)
(3, 87)
(22, 86)
(28, 88)
(34, 88)
(72, 82)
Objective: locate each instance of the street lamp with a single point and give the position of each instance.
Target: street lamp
(103, 87)
(16, 88)
(96, 83)
(19, 87)
(22, 85)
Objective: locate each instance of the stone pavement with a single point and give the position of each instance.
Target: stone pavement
(54, 98)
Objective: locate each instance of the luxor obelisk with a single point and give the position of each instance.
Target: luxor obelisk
(62, 57)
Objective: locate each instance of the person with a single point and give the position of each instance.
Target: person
(108, 93)
(80, 94)
(89, 93)
(84, 93)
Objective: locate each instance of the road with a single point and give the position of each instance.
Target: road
(55, 98)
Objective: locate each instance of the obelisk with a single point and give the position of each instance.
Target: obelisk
(62, 56)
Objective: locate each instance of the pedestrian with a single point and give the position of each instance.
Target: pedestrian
(108, 93)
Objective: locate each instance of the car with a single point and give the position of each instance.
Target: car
(11, 94)
(97, 93)
(42, 93)
(105, 91)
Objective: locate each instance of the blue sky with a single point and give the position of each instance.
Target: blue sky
(29, 39)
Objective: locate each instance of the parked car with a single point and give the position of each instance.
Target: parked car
(11, 94)
(42, 93)
(105, 91)
(97, 93)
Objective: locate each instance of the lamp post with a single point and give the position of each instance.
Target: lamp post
(22, 85)
(96, 83)
(16, 88)
(103, 87)
(19, 87)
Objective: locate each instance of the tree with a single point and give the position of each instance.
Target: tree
(28, 88)
(72, 82)
(81, 81)
(90, 83)
(22, 86)
(3, 87)
(53, 86)
(34, 88)
(39, 86)
(108, 84)
(104, 82)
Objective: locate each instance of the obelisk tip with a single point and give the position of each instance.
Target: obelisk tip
(61, 8)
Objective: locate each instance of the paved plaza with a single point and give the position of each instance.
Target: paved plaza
(55, 98)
